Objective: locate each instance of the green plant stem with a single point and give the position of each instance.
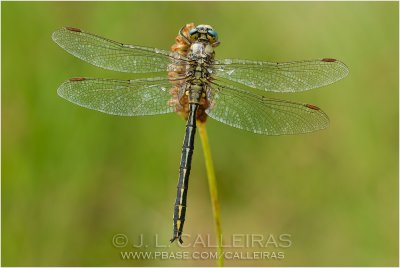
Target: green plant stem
(212, 183)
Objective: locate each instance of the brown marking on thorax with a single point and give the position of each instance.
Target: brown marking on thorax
(181, 103)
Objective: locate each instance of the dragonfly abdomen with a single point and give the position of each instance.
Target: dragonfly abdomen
(184, 172)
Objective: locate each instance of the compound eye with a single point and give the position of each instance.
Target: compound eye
(193, 34)
(212, 36)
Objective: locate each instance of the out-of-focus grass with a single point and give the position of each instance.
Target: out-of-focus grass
(72, 178)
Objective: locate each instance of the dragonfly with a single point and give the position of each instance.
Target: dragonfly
(190, 81)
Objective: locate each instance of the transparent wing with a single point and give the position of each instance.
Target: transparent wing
(282, 77)
(112, 55)
(148, 96)
(262, 115)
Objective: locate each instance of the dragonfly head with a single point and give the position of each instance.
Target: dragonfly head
(203, 33)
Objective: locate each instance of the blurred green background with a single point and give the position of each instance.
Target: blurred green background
(72, 177)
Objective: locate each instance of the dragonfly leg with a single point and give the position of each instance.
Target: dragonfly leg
(187, 41)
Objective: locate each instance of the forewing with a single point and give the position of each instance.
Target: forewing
(258, 114)
(282, 77)
(148, 96)
(112, 55)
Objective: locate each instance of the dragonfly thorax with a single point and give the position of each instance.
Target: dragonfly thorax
(201, 55)
(201, 50)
